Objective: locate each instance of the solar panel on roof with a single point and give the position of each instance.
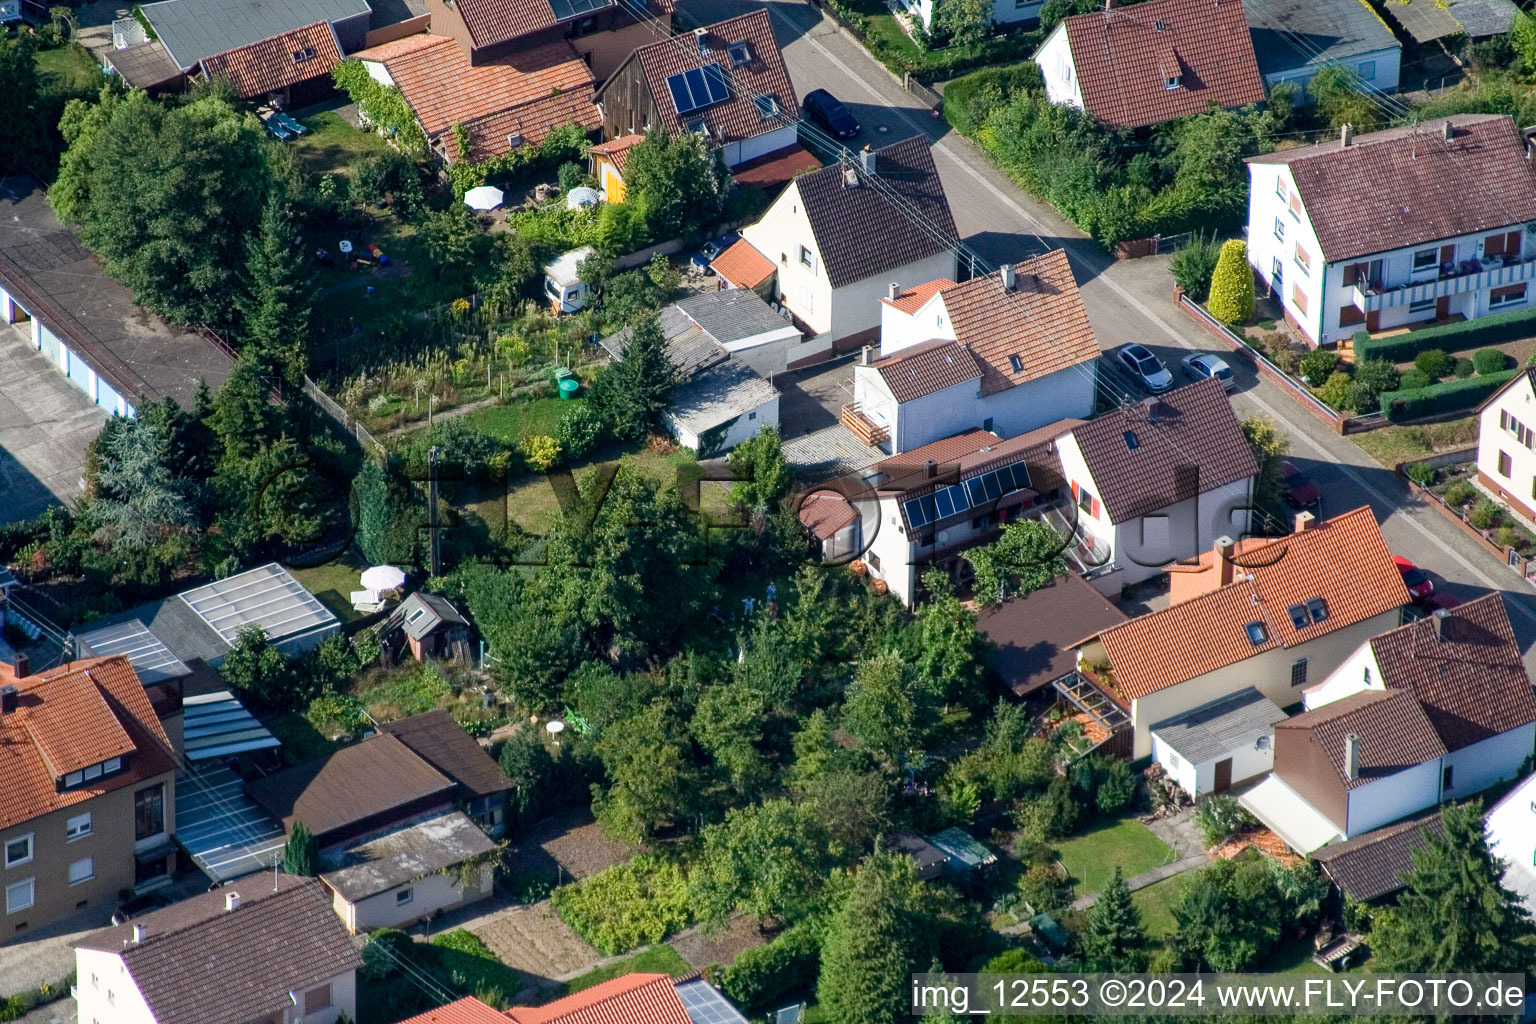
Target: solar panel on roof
(705, 1005)
(564, 10)
(698, 88)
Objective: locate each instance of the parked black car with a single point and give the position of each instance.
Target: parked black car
(138, 906)
(824, 109)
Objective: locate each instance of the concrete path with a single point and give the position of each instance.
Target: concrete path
(1147, 878)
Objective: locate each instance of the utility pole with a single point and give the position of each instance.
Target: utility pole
(432, 507)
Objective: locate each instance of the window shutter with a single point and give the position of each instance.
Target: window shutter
(1074, 490)
(1095, 508)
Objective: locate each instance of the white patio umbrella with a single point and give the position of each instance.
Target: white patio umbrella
(485, 197)
(383, 577)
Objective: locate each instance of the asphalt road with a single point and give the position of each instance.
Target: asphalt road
(1127, 300)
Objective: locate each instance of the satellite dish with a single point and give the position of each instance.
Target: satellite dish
(555, 727)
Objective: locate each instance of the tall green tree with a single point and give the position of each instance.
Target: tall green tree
(164, 195)
(949, 653)
(873, 941)
(1114, 939)
(966, 22)
(23, 126)
(729, 722)
(1455, 915)
(888, 710)
(526, 762)
(631, 394)
(387, 519)
(767, 860)
(679, 182)
(764, 477)
(256, 668)
(275, 309)
(1025, 557)
(301, 854)
(137, 494)
(650, 771)
(1270, 447)
(1232, 297)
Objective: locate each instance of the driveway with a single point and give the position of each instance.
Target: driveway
(45, 424)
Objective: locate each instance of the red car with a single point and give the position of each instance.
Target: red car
(1419, 585)
(1300, 491)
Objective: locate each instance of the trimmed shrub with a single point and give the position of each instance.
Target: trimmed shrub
(1464, 368)
(1412, 380)
(1489, 360)
(760, 977)
(1318, 365)
(1338, 391)
(1458, 494)
(1488, 330)
(1450, 396)
(1433, 361)
(641, 901)
(1232, 297)
(1486, 515)
(1193, 265)
(1422, 473)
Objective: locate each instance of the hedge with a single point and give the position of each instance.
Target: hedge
(1488, 330)
(760, 978)
(1449, 396)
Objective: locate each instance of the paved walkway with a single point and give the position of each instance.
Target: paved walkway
(1147, 878)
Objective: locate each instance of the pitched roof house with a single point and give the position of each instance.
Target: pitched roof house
(1439, 231)
(602, 31)
(1161, 480)
(515, 101)
(1271, 613)
(441, 742)
(1152, 62)
(1506, 444)
(1008, 352)
(838, 235)
(1294, 39)
(269, 952)
(1033, 633)
(295, 66)
(629, 999)
(1371, 866)
(1435, 710)
(728, 80)
(193, 30)
(87, 807)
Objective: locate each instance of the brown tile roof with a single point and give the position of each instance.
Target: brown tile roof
(742, 265)
(1122, 59)
(356, 784)
(1034, 633)
(440, 741)
(1472, 683)
(529, 93)
(861, 230)
(78, 714)
(1394, 732)
(1042, 320)
(617, 150)
(1343, 560)
(490, 22)
(913, 299)
(630, 999)
(1187, 442)
(921, 370)
(776, 168)
(826, 512)
(201, 964)
(468, 1010)
(974, 452)
(1371, 865)
(763, 75)
(1404, 186)
(385, 52)
(274, 64)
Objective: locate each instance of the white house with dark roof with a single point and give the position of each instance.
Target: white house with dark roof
(1376, 231)
(1506, 444)
(1161, 480)
(1009, 353)
(837, 239)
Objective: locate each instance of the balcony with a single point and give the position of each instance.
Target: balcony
(1468, 276)
(862, 427)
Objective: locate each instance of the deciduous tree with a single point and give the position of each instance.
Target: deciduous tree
(679, 181)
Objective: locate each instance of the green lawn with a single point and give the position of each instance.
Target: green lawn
(69, 66)
(1156, 905)
(301, 741)
(662, 959)
(1391, 445)
(332, 144)
(1091, 858)
(334, 581)
(516, 419)
(1291, 958)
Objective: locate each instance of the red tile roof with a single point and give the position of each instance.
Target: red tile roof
(825, 512)
(1041, 320)
(468, 1010)
(1123, 55)
(529, 93)
(742, 265)
(1403, 186)
(1394, 733)
(617, 150)
(921, 370)
(274, 64)
(1464, 667)
(1343, 560)
(764, 74)
(497, 21)
(913, 299)
(776, 168)
(76, 715)
(385, 52)
(631, 999)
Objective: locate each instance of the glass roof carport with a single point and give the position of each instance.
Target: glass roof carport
(224, 832)
(216, 725)
(267, 597)
(152, 661)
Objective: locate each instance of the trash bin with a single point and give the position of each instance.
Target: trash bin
(568, 388)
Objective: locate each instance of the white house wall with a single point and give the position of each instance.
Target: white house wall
(1065, 394)
(1248, 761)
(1008, 11)
(106, 992)
(899, 330)
(1518, 400)
(805, 291)
(1055, 60)
(1474, 768)
(890, 553)
(1511, 831)
(1379, 71)
(1271, 255)
(1184, 773)
(1358, 672)
(1269, 673)
(1386, 800)
(742, 427)
(933, 417)
(428, 895)
(767, 353)
(856, 306)
(743, 150)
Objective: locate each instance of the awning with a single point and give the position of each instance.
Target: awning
(217, 725)
(1290, 817)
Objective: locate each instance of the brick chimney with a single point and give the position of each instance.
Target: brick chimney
(1223, 551)
(1352, 756)
(1305, 521)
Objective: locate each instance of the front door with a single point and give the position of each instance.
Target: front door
(1373, 321)
(1223, 775)
(1442, 307)
(1447, 254)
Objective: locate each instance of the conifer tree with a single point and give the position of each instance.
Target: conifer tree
(1114, 939)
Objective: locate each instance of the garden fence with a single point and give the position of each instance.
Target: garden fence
(329, 406)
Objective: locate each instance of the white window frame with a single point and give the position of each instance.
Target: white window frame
(1173, 83)
(31, 840)
(1510, 300)
(808, 259)
(90, 870)
(1433, 264)
(1279, 229)
(404, 896)
(111, 764)
(73, 828)
(30, 885)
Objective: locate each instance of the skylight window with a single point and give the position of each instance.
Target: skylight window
(741, 54)
(1298, 614)
(1016, 364)
(1132, 442)
(1317, 608)
(1173, 81)
(767, 106)
(1257, 634)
